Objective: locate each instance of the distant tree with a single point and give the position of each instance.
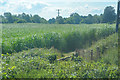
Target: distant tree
(20, 21)
(97, 19)
(68, 20)
(1, 17)
(109, 14)
(26, 17)
(75, 18)
(83, 19)
(15, 18)
(36, 19)
(44, 21)
(51, 21)
(101, 18)
(89, 19)
(108, 17)
(59, 20)
(8, 17)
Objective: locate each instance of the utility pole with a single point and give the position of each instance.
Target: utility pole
(58, 11)
(118, 15)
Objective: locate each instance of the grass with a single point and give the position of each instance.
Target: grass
(108, 48)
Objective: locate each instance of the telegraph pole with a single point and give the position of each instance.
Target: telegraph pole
(58, 11)
(118, 15)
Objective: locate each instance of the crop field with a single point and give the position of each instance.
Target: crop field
(33, 51)
(17, 37)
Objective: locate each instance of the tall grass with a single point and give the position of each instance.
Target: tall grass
(108, 49)
(18, 37)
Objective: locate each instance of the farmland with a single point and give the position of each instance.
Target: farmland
(66, 37)
(29, 50)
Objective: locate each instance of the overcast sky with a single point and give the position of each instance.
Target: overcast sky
(48, 8)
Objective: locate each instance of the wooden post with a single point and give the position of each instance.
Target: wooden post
(59, 63)
(91, 54)
(83, 53)
(98, 52)
(118, 15)
(76, 53)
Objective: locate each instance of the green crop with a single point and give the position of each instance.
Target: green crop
(66, 37)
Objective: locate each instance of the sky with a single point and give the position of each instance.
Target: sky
(48, 8)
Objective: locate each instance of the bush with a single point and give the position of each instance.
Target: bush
(52, 58)
(20, 21)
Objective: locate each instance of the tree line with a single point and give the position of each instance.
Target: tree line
(109, 16)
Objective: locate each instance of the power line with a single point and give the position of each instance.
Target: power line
(58, 11)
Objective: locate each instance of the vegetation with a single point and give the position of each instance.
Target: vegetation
(108, 49)
(29, 50)
(108, 16)
(41, 63)
(109, 12)
(33, 50)
(66, 38)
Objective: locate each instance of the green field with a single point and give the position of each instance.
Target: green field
(29, 50)
(66, 37)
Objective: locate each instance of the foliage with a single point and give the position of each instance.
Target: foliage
(107, 17)
(8, 17)
(63, 37)
(51, 21)
(35, 63)
(22, 18)
(59, 20)
(106, 47)
(20, 21)
(19, 61)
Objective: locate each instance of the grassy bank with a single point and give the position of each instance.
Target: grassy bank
(42, 63)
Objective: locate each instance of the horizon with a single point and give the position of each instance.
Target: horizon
(48, 9)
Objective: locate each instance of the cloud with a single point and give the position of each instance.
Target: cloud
(48, 8)
(16, 6)
(81, 0)
(83, 9)
(2, 1)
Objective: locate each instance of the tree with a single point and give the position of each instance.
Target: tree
(75, 18)
(68, 20)
(42, 20)
(36, 19)
(89, 19)
(20, 21)
(26, 17)
(97, 19)
(51, 21)
(8, 17)
(59, 20)
(109, 14)
(83, 19)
